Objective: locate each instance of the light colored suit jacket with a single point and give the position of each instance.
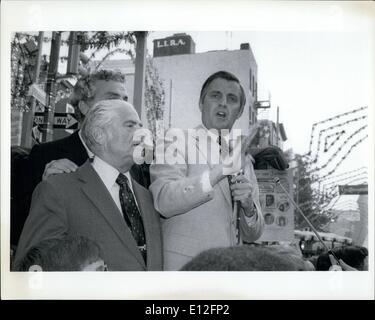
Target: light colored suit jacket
(194, 220)
(78, 203)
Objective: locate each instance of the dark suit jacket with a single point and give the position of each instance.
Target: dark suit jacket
(79, 204)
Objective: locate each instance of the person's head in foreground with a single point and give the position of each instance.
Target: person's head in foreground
(33, 260)
(245, 258)
(75, 253)
(354, 258)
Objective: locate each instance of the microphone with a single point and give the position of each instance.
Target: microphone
(236, 204)
(277, 181)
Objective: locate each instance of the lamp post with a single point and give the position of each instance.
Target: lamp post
(26, 138)
(51, 87)
(139, 76)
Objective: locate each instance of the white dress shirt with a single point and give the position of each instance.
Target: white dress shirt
(205, 181)
(109, 174)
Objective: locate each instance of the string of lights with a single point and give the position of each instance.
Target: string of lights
(332, 204)
(358, 179)
(345, 156)
(319, 143)
(338, 136)
(330, 119)
(326, 186)
(344, 173)
(339, 149)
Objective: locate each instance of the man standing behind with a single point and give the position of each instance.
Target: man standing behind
(99, 200)
(196, 200)
(67, 154)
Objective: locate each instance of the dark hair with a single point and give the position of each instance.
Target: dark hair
(71, 254)
(227, 76)
(83, 89)
(354, 256)
(244, 258)
(35, 255)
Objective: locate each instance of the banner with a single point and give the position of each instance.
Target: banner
(277, 210)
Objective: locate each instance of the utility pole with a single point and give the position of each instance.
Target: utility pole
(27, 121)
(73, 55)
(139, 76)
(51, 87)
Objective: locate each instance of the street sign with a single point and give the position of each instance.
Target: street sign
(61, 120)
(353, 189)
(38, 93)
(38, 119)
(65, 121)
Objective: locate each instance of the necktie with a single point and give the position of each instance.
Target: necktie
(224, 151)
(131, 213)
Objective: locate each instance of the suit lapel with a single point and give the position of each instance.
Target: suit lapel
(223, 184)
(96, 191)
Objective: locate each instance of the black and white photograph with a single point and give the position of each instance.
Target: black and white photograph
(138, 148)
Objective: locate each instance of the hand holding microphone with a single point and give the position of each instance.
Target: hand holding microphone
(234, 155)
(242, 191)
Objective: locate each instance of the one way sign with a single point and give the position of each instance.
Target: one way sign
(65, 121)
(61, 120)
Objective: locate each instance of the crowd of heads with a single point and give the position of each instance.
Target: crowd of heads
(245, 258)
(355, 256)
(274, 258)
(78, 253)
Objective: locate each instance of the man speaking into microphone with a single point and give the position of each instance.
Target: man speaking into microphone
(207, 203)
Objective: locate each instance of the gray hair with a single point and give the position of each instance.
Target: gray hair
(99, 119)
(84, 88)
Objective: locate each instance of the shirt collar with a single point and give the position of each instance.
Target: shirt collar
(107, 173)
(213, 136)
